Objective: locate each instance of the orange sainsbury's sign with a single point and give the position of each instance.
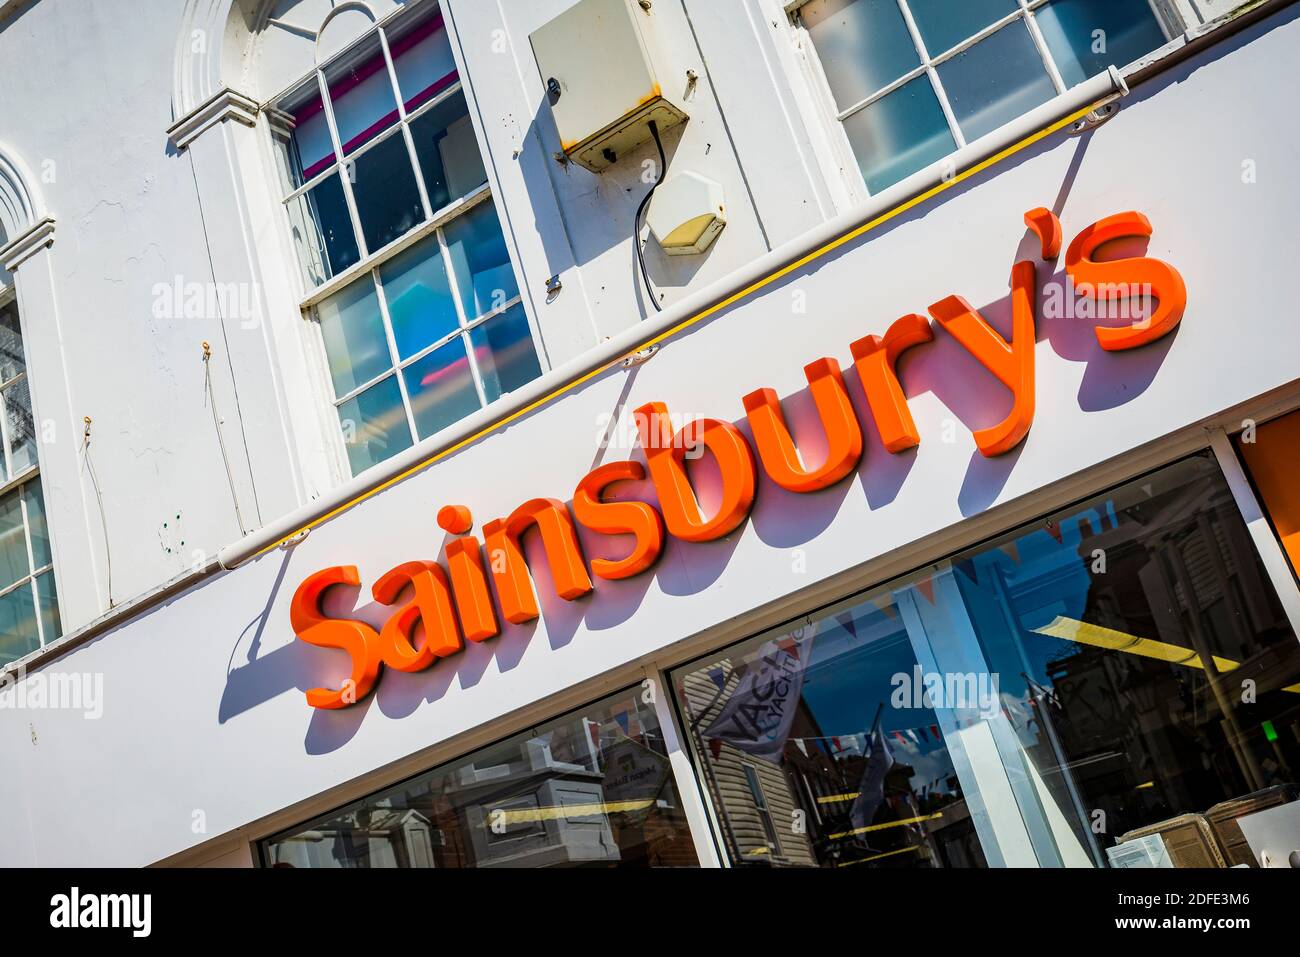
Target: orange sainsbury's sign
(453, 600)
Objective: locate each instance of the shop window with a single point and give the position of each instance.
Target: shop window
(1119, 673)
(913, 80)
(29, 610)
(592, 788)
(383, 178)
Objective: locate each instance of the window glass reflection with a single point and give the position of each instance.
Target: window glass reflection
(592, 788)
(1087, 36)
(481, 262)
(996, 80)
(388, 199)
(1126, 634)
(864, 45)
(813, 758)
(1121, 672)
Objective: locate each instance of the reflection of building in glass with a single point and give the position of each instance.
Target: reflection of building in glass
(1156, 662)
(594, 789)
(803, 804)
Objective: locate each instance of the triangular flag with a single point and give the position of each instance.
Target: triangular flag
(926, 587)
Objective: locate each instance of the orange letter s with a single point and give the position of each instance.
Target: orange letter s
(637, 519)
(1137, 273)
(358, 639)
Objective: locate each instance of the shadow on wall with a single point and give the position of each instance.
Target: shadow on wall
(942, 368)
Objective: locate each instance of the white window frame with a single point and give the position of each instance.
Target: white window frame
(830, 116)
(16, 484)
(371, 261)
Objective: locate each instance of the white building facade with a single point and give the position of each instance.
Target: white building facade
(392, 479)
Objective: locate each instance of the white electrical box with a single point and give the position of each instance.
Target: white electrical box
(602, 65)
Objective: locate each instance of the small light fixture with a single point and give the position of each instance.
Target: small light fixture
(687, 214)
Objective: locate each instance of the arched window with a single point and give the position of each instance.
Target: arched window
(29, 606)
(392, 219)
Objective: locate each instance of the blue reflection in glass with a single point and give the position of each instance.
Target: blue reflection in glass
(995, 81)
(505, 353)
(481, 261)
(1086, 36)
(353, 330)
(419, 297)
(374, 425)
(899, 134)
(863, 45)
(944, 24)
(441, 388)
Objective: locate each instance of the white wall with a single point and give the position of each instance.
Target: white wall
(203, 702)
(86, 95)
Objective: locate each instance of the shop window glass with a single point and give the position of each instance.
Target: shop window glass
(429, 331)
(593, 788)
(1120, 672)
(912, 80)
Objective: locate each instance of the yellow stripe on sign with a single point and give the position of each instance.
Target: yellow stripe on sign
(881, 827)
(529, 815)
(730, 300)
(876, 857)
(1070, 629)
(835, 798)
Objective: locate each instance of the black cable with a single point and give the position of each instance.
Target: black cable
(640, 210)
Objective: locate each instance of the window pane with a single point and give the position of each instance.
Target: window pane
(995, 81)
(321, 229)
(22, 434)
(863, 45)
(899, 134)
(388, 200)
(48, 599)
(361, 93)
(480, 260)
(592, 788)
(441, 388)
(353, 330)
(1125, 632)
(313, 150)
(36, 526)
(423, 60)
(12, 361)
(419, 297)
(13, 540)
(944, 24)
(374, 425)
(18, 635)
(505, 353)
(1086, 36)
(815, 714)
(448, 150)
